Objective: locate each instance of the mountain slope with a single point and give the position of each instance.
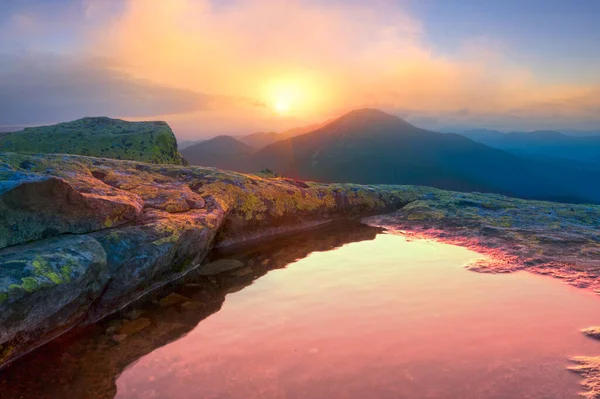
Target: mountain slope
(541, 143)
(370, 146)
(223, 152)
(262, 139)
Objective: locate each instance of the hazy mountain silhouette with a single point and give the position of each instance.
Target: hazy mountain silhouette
(372, 147)
(262, 139)
(220, 152)
(181, 144)
(541, 143)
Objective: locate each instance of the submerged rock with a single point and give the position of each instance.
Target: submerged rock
(192, 305)
(134, 326)
(173, 299)
(220, 266)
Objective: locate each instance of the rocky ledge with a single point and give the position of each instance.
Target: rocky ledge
(81, 237)
(561, 240)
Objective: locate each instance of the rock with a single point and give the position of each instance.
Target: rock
(220, 266)
(172, 299)
(47, 287)
(134, 314)
(592, 332)
(192, 305)
(235, 288)
(134, 326)
(119, 337)
(80, 237)
(242, 272)
(589, 368)
(193, 285)
(152, 142)
(34, 206)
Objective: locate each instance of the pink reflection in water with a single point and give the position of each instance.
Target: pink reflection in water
(387, 318)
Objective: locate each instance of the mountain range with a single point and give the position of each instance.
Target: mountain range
(372, 147)
(541, 143)
(259, 140)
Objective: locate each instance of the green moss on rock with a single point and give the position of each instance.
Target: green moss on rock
(152, 142)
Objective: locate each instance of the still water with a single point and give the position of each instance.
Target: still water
(379, 317)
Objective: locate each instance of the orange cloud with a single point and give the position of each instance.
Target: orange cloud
(322, 60)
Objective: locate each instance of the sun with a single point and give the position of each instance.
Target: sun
(292, 95)
(282, 106)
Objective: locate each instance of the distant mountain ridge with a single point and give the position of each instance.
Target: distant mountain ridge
(262, 139)
(218, 152)
(548, 143)
(372, 147)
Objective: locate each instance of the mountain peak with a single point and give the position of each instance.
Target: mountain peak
(369, 116)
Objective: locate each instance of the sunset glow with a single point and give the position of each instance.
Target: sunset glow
(242, 65)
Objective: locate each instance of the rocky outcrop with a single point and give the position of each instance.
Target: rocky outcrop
(84, 236)
(551, 238)
(81, 237)
(152, 142)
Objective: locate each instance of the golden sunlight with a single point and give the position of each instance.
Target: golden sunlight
(283, 106)
(291, 95)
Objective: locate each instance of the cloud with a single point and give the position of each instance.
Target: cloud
(46, 88)
(324, 57)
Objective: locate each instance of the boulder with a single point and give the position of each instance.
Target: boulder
(35, 206)
(46, 288)
(152, 142)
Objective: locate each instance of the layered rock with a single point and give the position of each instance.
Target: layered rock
(152, 142)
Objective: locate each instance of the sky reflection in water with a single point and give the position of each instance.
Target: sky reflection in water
(387, 318)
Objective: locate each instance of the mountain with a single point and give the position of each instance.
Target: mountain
(223, 152)
(540, 143)
(181, 144)
(262, 139)
(372, 147)
(152, 142)
(580, 133)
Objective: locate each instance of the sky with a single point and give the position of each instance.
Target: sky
(210, 67)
